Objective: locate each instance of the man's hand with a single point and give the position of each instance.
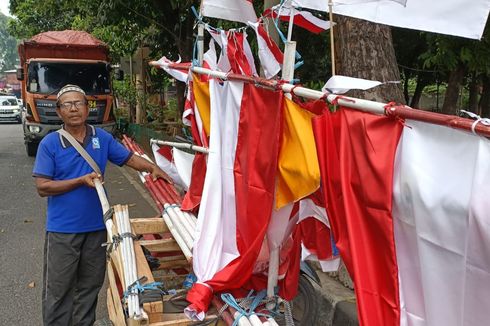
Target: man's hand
(158, 173)
(88, 179)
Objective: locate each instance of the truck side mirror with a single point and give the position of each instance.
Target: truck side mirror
(20, 73)
(119, 74)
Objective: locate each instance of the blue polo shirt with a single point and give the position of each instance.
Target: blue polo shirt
(78, 210)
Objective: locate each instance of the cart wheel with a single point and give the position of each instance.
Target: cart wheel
(103, 322)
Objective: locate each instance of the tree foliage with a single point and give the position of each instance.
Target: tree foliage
(8, 45)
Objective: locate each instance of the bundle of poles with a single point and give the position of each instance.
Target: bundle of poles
(125, 249)
(182, 225)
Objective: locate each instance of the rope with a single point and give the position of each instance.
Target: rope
(478, 119)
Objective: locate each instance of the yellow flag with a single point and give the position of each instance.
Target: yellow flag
(299, 172)
(201, 96)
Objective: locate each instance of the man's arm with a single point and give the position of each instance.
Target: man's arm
(46, 187)
(140, 164)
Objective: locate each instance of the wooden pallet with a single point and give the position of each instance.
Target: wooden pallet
(172, 271)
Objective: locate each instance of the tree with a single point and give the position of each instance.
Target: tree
(365, 50)
(8, 45)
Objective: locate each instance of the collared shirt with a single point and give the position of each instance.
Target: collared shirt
(78, 210)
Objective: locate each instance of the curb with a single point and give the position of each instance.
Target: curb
(337, 304)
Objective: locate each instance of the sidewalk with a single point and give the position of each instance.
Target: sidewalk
(336, 303)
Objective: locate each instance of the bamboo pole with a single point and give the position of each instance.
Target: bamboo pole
(399, 111)
(180, 145)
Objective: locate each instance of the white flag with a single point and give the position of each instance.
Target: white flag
(453, 17)
(234, 10)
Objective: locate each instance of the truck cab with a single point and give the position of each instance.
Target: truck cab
(49, 61)
(45, 77)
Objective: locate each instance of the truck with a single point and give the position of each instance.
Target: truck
(50, 60)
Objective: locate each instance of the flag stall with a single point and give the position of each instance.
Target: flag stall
(255, 218)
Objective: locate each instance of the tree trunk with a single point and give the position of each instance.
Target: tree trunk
(365, 50)
(421, 83)
(406, 78)
(455, 80)
(485, 98)
(473, 98)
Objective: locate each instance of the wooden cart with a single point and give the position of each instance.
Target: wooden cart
(174, 267)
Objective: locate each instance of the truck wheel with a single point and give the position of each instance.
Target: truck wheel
(103, 322)
(31, 149)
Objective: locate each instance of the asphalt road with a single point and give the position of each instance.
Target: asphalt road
(22, 220)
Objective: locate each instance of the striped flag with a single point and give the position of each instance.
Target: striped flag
(408, 206)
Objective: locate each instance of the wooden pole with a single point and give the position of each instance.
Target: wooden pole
(332, 38)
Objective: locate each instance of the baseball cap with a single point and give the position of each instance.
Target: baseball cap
(70, 88)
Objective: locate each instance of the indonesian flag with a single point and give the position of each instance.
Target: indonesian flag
(236, 54)
(234, 10)
(408, 206)
(238, 192)
(303, 19)
(453, 17)
(270, 56)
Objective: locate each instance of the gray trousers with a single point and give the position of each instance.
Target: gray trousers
(74, 271)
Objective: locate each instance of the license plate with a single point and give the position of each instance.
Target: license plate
(92, 105)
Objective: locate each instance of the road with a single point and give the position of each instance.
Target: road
(22, 220)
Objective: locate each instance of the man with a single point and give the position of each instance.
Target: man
(74, 259)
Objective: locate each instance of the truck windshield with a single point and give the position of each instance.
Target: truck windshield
(49, 77)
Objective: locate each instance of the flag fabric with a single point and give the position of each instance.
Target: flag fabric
(236, 55)
(235, 10)
(303, 19)
(165, 161)
(270, 56)
(342, 84)
(453, 17)
(238, 189)
(197, 115)
(180, 75)
(407, 205)
(298, 170)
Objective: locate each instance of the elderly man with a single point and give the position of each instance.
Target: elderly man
(74, 259)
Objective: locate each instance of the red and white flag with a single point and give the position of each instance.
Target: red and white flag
(235, 10)
(238, 190)
(453, 17)
(270, 55)
(408, 206)
(304, 19)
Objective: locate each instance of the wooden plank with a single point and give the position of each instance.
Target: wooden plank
(151, 225)
(141, 264)
(160, 245)
(173, 264)
(117, 311)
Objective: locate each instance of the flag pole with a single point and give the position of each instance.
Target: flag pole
(332, 39)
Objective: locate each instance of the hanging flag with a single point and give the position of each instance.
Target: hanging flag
(453, 17)
(409, 211)
(235, 10)
(342, 84)
(303, 19)
(236, 55)
(164, 159)
(238, 190)
(178, 74)
(298, 170)
(270, 56)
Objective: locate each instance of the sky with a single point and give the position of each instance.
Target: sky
(4, 7)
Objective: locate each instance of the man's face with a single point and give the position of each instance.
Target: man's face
(73, 109)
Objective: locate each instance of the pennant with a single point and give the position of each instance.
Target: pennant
(303, 19)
